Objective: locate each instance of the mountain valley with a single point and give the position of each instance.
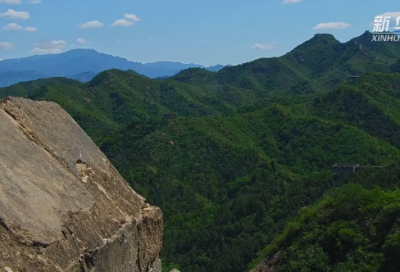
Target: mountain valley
(243, 171)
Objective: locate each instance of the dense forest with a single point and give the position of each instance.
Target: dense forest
(354, 227)
(251, 149)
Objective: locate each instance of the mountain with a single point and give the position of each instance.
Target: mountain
(8, 78)
(250, 146)
(80, 64)
(353, 228)
(316, 65)
(82, 77)
(214, 68)
(73, 211)
(172, 66)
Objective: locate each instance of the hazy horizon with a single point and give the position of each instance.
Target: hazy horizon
(177, 61)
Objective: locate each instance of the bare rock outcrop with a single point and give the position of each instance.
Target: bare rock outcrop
(63, 206)
(268, 264)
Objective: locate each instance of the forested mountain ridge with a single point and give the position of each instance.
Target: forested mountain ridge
(114, 98)
(239, 161)
(353, 228)
(319, 64)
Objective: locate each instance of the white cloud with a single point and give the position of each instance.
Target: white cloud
(11, 2)
(12, 14)
(1, 59)
(35, 2)
(291, 1)
(82, 41)
(332, 25)
(52, 47)
(132, 17)
(30, 29)
(265, 46)
(6, 45)
(91, 24)
(129, 19)
(394, 15)
(122, 22)
(16, 27)
(12, 27)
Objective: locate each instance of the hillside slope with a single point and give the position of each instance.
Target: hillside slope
(238, 161)
(353, 228)
(317, 65)
(236, 177)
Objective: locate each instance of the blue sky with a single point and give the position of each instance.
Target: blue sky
(206, 32)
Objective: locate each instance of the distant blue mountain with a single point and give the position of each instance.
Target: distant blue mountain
(8, 78)
(83, 65)
(215, 68)
(172, 65)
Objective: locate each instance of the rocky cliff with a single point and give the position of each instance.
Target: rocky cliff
(63, 206)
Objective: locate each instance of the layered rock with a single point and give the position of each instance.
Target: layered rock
(63, 206)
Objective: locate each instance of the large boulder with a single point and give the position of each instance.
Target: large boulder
(63, 206)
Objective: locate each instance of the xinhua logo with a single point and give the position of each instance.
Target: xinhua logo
(382, 31)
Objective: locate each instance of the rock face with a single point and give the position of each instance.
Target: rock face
(269, 264)
(63, 206)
